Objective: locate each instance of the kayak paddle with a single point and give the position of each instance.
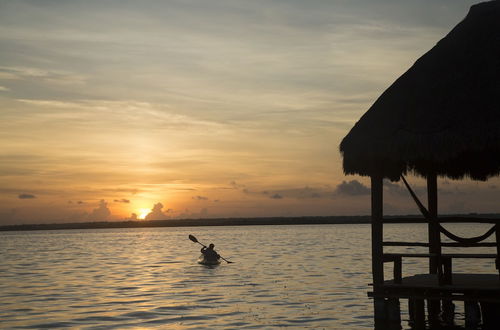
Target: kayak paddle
(192, 238)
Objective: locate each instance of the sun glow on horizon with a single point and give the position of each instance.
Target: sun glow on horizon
(142, 213)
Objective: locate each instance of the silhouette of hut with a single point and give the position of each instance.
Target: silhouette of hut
(440, 118)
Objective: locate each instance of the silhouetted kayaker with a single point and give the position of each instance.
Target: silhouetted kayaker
(210, 253)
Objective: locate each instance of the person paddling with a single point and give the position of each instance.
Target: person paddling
(210, 253)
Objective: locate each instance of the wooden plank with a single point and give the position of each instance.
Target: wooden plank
(484, 244)
(470, 255)
(405, 244)
(388, 256)
(434, 295)
(442, 219)
(407, 255)
(461, 283)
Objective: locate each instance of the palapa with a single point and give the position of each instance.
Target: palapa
(441, 116)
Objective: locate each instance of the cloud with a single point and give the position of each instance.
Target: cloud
(305, 193)
(277, 66)
(297, 193)
(26, 196)
(194, 215)
(101, 212)
(395, 188)
(78, 202)
(352, 188)
(200, 198)
(236, 185)
(157, 213)
(400, 189)
(123, 200)
(50, 76)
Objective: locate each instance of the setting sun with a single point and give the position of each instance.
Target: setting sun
(142, 213)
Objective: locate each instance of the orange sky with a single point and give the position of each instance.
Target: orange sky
(202, 109)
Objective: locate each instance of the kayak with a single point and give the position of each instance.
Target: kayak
(205, 261)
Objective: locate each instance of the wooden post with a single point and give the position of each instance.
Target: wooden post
(418, 313)
(433, 306)
(394, 312)
(448, 314)
(434, 234)
(490, 314)
(380, 308)
(447, 271)
(377, 230)
(398, 270)
(472, 314)
(497, 236)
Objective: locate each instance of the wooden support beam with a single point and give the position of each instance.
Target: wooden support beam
(433, 226)
(447, 271)
(398, 270)
(435, 267)
(417, 315)
(497, 236)
(379, 304)
(490, 315)
(394, 312)
(433, 312)
(472, 314)
(448, 314)
(377, 229)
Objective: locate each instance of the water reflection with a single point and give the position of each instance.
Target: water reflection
(283, 276)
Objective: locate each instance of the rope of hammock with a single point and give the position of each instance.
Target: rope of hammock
(443, 230)
(467, 240)
(421, 206)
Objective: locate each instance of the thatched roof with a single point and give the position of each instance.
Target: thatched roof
(443, 114)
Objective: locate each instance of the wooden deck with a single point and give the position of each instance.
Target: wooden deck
(465, 287)
(440, 288)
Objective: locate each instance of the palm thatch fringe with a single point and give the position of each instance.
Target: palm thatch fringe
(442, 115)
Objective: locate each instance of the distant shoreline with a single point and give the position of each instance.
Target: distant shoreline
(193, 223)
(306, 220)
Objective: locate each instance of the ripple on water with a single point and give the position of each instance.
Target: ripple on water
(52, 325)
(140, 315)
(148, 277)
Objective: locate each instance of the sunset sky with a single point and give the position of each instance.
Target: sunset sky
(113, 110)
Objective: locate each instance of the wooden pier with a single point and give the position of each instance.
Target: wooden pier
(439, 118)
(431, 296)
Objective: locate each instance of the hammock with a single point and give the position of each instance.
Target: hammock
(443, 230)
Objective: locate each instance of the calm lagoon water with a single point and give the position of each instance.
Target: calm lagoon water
(283, 276)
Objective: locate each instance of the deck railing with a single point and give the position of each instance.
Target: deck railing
(444, 261)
